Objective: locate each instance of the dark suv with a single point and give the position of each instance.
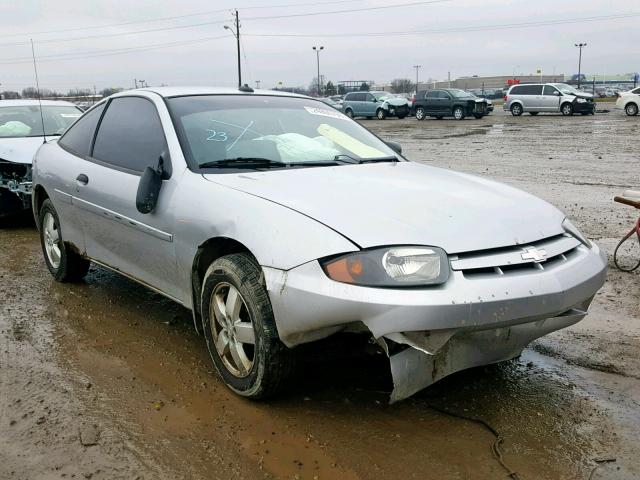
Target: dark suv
(449, 102)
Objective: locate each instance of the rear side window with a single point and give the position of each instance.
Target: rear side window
(349, 97)
(80, 135)
(527, 90)
(131, 135)
(432, 94)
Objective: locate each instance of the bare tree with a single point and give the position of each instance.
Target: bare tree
(402, 85)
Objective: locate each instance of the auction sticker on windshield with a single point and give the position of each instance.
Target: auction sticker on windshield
(325, 113)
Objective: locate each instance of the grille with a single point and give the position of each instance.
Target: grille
(532, 257)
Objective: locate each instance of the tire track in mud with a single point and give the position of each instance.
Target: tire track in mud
(45, 430)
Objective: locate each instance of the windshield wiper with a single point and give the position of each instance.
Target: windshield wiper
(366, 160)
(243, 162)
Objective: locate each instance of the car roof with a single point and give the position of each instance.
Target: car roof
(168, 92)
(28, 103)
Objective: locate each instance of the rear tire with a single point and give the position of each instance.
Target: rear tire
(349, 113)
(566, 109)
(631, 109)
(516, 110)
(420, 113)
(240, 328)
(458, 113)
(64, 264)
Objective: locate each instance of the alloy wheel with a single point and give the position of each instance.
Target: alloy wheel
(232, 330)
(631, 109)
(51, 234)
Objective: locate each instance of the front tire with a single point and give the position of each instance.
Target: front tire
(631, 109)
(381, 114)
(458, 113)
(566, 109)
(516, 109)
(64, 264)
(240, 329)
(420, 113)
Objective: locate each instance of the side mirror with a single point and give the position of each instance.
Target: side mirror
(557, 93)
(396, 147)
(375, 100)
(149, 188)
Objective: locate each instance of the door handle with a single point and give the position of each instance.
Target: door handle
(82, 179)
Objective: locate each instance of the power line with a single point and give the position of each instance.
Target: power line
(177, 17)
(83, 55)
(218, 22)
(470, 28)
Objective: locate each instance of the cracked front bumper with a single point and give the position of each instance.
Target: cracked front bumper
(474, 321)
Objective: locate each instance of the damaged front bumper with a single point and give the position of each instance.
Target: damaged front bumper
(430, 333)
(15, 187)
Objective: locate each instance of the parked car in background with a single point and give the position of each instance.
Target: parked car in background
(278, 222)
(20, 137)
(374, 104)
(449, 102)
(489, 102)
(629, 101)
(332, 103)
(548, 97)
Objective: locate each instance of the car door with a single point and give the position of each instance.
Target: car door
(129, 138)
(550, 99)
(431, 101)
(370, 105)
(445, 103)
(67, 161)
(534, 98)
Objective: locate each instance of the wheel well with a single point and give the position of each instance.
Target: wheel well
(207, 253)
(565, 103)
(631, 103)
(516, 103)
(39, 196)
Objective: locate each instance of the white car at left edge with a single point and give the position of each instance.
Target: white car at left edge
(21, 134)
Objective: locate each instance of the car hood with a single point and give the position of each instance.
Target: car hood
(405, 203)
(20, 150)
(396, 102)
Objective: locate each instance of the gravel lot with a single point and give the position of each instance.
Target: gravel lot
(106, 380)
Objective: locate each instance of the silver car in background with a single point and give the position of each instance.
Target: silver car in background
(535, 98)
(279, 221)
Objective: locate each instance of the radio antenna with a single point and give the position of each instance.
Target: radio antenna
(35, 69)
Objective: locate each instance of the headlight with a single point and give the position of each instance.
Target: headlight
(573, 230)
(581, 100)
(408, 266)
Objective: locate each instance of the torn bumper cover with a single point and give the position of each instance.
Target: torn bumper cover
(468, 321)
(15, 187)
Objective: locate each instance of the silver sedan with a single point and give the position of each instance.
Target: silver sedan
(279, 221)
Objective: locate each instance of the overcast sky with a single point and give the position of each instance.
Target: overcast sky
(465, 47)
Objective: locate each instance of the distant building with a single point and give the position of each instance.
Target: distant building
(494, 82)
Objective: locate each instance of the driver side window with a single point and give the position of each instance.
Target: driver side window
(549, 90)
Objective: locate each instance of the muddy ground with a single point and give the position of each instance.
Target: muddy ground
(107, 380)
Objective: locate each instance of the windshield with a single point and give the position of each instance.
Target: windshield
(460, 93)
(215, 128)
(564, 88)
(25, 121)
(382, 95)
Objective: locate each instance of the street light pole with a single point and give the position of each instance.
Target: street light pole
(580, 46)
(417, 67)
(317, 50)
(236, 34)
(257, 84)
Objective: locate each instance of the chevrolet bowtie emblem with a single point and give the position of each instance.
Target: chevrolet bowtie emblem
(535, 254)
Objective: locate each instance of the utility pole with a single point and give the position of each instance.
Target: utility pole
(257, 84)
(236, 34)
(417, 67)
(317, 50)
(135, 82)
(580, 46)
